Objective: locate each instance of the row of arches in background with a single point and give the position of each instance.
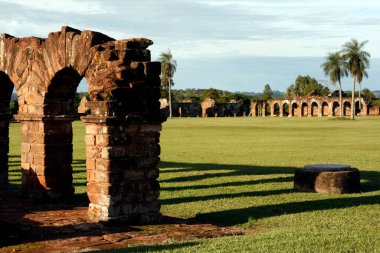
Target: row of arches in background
(304, 107)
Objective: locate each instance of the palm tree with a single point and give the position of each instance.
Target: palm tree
(168, 67)
(357, 63)
(335, 67)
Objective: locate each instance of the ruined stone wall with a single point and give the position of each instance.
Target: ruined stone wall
(212, 109)
(186, 109)
(306, 106)
(375, 111)
(122, 131)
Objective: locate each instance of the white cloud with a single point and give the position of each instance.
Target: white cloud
(65, 6)
(212, 29)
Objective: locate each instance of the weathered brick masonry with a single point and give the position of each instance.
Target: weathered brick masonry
(307, 106)
(122, 131)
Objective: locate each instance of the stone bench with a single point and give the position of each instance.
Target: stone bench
(327, 178)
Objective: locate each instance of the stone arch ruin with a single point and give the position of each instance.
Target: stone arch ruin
(122, 131)
(308, 106)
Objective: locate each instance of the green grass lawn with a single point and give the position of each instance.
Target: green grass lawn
(239, 172)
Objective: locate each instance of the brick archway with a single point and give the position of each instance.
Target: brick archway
(124, 88)
(311, 106)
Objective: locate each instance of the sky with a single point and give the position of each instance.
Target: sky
(236, 45)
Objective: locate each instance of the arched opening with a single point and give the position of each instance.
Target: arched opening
(346, 108)
(335, 109)
(285, 109)
(358, 108)
(258, 109)
(60, 97)
(304, 109)
(276, 109)
(314, 109)
(47, 170)
(267, 110)
(294, 108)
(5, 99)
(325, 109)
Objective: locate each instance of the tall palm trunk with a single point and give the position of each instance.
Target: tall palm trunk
(170, 99)
(353, 100)
(340, 100)
(360, 96)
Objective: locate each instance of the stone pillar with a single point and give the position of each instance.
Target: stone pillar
(253, 109)
(4, 148)
(281, 111)
(263, 111)
(291, 110)
(364, 109)
(330, 112)
(122, 168)
(272, 110)
(46, 156)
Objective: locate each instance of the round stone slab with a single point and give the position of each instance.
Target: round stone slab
(327, 178)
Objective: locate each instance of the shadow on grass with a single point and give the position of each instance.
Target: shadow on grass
(223, 196)
(205, 169)
(370, 183)
(228, 184)
(243, 215)
(157, 248)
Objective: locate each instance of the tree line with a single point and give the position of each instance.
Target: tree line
(350, 60)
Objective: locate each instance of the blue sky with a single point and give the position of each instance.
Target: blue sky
(233, 45)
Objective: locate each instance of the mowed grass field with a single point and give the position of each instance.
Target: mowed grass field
(239, 172)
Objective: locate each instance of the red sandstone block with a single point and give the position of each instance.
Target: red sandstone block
(24, 127)
(98, 212)
(29, 137)
(102, 139)
(103, 164)
(30, 157)
(90, 164)
(104, 188)
(105, 153)
(90, 140)
(25, 147)
(93, 152)
(37, 148)
(100, 199)
(99, 176)
(93, 129)
(25, 166)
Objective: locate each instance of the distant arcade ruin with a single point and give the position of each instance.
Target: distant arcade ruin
(122, 130)
(309, 106)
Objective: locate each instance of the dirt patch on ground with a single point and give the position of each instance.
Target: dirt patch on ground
(27, 226)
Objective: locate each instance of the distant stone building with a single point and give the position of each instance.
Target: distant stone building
(212, 109)
(309, 106)
(185, 108)
(208, 108)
